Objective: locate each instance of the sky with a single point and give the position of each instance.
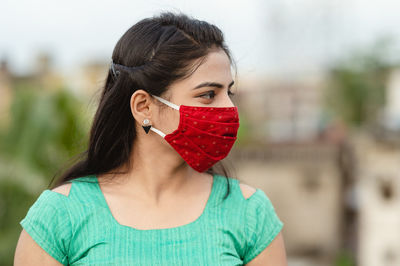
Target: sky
(265, 36)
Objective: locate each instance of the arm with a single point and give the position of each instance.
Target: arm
(28, 252)
(273, 255)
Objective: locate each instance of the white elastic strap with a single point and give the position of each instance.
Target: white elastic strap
(158, 131)
(172, 105)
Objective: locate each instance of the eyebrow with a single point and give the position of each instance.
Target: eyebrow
(212, 84)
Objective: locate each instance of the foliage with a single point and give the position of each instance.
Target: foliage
(243, 131)
(344, 258)
(46, 129)
(357, 87)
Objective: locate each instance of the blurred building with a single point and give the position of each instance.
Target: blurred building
(305, 183)
(378, 197)
(283, 110)
(89, 79)
(42, 75)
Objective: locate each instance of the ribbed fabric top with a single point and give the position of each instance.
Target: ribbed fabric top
(79, 229)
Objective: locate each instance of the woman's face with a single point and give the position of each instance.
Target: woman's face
(210, 85)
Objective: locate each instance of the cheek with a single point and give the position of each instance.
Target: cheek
(170, 121)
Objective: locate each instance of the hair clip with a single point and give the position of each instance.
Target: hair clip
(115, 73)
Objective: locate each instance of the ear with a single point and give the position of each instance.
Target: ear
(140, 104)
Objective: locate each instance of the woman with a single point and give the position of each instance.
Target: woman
(145, 191)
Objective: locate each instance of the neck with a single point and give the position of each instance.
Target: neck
(153, 179)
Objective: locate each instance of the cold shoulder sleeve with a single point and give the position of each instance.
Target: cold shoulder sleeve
(48, 223)
(262, 224)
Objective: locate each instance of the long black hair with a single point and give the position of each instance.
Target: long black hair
(168, 47)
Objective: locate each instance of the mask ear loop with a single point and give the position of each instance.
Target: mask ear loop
(157, 131)
(172, 105)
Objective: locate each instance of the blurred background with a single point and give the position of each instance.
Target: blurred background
(318, 92)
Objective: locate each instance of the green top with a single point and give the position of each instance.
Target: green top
(79, 229)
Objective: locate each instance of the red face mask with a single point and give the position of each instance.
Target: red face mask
(205, 135)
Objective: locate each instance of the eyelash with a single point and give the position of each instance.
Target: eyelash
(212, 93)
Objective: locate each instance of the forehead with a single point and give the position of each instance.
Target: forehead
(216, 67)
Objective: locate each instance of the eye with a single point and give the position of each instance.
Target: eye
(211, 94)
(208, 95)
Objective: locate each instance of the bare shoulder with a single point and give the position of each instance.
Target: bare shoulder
(247, 190)
(63, 189)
